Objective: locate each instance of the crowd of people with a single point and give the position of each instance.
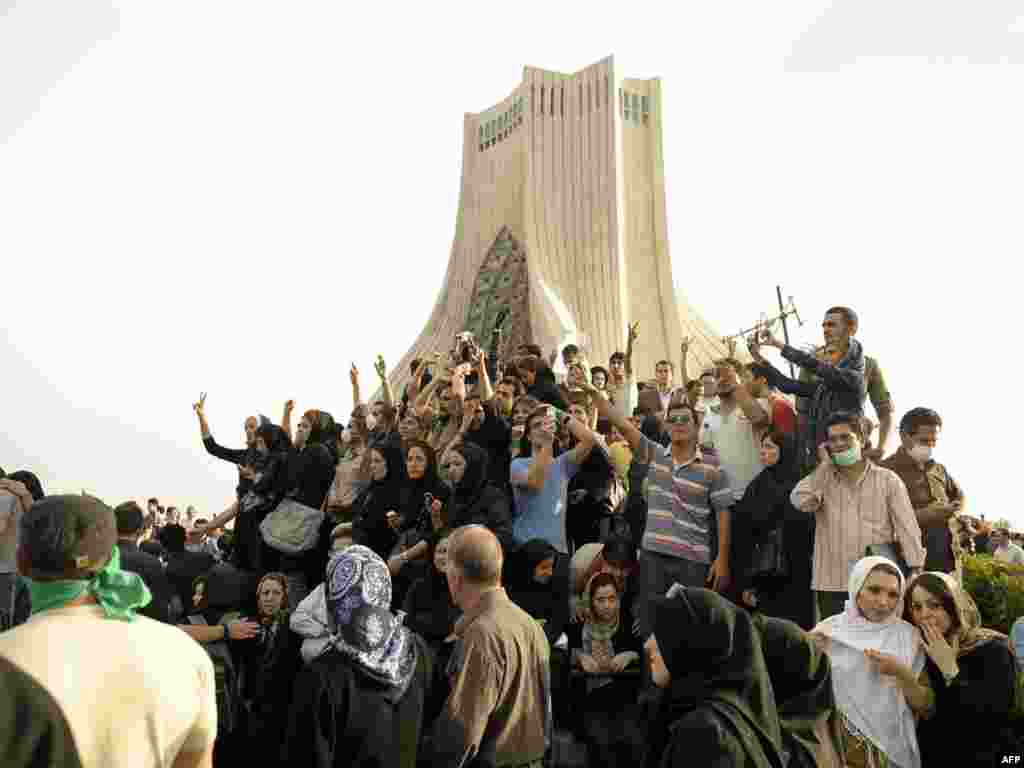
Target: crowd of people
(520, 560)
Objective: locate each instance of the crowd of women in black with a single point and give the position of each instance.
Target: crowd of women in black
(718, 683)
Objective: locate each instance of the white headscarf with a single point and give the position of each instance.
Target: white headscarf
(874, 704)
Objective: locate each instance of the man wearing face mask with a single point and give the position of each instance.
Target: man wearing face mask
(856, 504)
(934, 493)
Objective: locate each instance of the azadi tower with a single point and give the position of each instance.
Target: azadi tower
(561, 223)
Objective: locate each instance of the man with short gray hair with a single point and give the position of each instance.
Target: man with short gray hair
(499, 709)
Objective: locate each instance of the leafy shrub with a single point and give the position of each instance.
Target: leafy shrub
(997, 588)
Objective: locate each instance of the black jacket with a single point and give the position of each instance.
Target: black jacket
(340, 717)
(134, 560)
(493, 436)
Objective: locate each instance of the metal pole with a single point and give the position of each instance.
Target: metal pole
(785, 327)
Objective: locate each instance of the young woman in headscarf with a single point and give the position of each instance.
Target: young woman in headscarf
(606, 644)
(379, 502)
(972, 671)
(717, 706)
(422, 513)
(475, 501)
(877, 663)
(764, 510)
(537, 580)
(267, 665)
(801, 676)
(616, 556)
(261, 473)
(431, 613)
(306, 479)
(540, 586)
(361, 703)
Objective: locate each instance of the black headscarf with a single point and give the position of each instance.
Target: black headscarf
(275, 438)
(801, 678)
(370, 526)
(764, 507)
(714, 655)
(474, 479)
(323, 431)
(414, 511)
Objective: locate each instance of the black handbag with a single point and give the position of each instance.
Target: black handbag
(892, 551)
(769, 565)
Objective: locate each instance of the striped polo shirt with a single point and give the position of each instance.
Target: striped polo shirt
(680, 500)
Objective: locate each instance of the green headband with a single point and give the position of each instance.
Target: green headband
(118, 592)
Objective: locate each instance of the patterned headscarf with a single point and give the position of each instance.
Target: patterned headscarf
(358, 592)
(971, 635)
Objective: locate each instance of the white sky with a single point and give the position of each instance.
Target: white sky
(243, 198)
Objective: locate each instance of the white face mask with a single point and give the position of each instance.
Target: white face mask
(921, 453)
(371, 422)
(346, 435)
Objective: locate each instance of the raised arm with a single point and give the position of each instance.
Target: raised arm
(231, 455)
(585, 440)
(200, 409)
(843, 379)
(615, 417)
(486, 390)
(416, 382)
(632, 334)
(428, 392)
(382, 373)
(755, 413)
(286, 418)
(684, 354)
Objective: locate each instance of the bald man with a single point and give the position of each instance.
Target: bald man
(499, 710)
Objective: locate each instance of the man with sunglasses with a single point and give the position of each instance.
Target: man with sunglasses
(686, 539)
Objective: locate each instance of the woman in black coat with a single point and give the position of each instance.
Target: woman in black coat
(717, 706)
(371, 525)
(475, 501)
(431, 614)
(972, 671)
(778, 586)
(361, 703)
(266, 665)
(306, 478)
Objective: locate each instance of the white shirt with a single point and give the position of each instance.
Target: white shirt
(135, 694)
(625, 396)
(733, 438)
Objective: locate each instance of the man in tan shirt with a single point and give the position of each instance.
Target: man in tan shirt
(499, 709)
(856, 504)
(934, 494)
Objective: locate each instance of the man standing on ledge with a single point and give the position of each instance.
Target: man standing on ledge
(499, 710)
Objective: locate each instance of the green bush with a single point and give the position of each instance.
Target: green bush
(997, 588)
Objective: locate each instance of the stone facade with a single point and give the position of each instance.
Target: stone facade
(562, 222)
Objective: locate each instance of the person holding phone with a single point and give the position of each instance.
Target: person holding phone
(856, 504)
(540, 480)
